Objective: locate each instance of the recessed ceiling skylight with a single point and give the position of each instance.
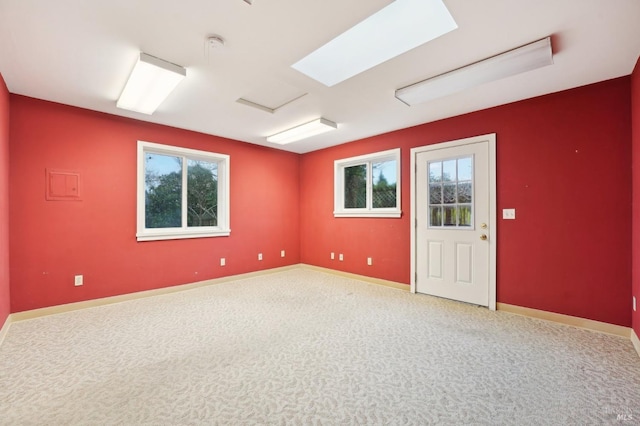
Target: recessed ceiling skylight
(399, 27)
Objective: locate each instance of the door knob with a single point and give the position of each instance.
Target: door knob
(483, 237)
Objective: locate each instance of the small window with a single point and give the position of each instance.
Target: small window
(451, 193)
(182, 193)
(368, 185)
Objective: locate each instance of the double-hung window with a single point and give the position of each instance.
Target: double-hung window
(368, 185)
(182, 193)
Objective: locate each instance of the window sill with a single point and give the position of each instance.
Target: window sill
(181, 234)
(393, 214)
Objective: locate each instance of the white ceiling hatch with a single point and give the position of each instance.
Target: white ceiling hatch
(81, 53)
(270, 96)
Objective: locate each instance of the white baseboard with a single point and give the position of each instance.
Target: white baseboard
(378, 281)
(635, 341)
(5, 328)
(601, 327)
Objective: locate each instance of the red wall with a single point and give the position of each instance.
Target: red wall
(5, 299)
(51, 241)
(635, 129)
(563, 163)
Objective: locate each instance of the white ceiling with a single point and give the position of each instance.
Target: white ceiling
(80, 53)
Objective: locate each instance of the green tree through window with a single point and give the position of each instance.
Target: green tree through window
(368, 185)
(202, 194)
(163, 195)
(182, 193)
(355, 186)
(384, 195)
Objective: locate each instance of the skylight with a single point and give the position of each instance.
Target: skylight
(399, 27)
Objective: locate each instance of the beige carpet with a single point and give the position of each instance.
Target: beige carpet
(304, 347)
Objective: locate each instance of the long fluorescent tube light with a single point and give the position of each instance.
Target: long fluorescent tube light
(526, 58)
(303, 131)
(393, 30)
(149, 84)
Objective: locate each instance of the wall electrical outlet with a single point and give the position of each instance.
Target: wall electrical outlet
(281, 253)
(223, 261)
(341, 257)
(333, 256)
(508, 213)
(259, 256)
(78, 280)
(369, 261)
(634, 303)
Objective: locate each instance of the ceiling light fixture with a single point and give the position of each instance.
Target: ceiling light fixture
(392, 31)
(526, 58)
(303, 131)
(149, 84)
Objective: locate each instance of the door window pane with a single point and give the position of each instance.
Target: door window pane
(435, 172)
(435, 216)
(435, 194)
(465, 168)
(449, 171)
(449, 216)
(464, 192)
(464, 215)
(449, 193)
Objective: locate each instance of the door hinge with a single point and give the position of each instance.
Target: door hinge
(415, 278)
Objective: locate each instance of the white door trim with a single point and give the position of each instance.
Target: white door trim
(491, 139)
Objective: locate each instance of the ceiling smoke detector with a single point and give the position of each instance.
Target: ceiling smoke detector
(215, 41)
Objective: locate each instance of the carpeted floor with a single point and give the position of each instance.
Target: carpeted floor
(305, 347)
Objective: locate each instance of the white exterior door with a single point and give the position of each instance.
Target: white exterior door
(454, 218)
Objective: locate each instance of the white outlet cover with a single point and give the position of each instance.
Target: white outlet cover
(281, 253)
(78, 280)
(222, 261)
(341, 257)
(333, 255)
(508, 213)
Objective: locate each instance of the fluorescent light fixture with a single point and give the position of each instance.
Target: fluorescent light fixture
(303, 131)
(526, 58)
(395, 29)
(149, 84)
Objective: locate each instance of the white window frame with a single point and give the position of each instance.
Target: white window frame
(368, 160)
(152, 234)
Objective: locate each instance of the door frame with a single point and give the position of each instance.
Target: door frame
(492, 234)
